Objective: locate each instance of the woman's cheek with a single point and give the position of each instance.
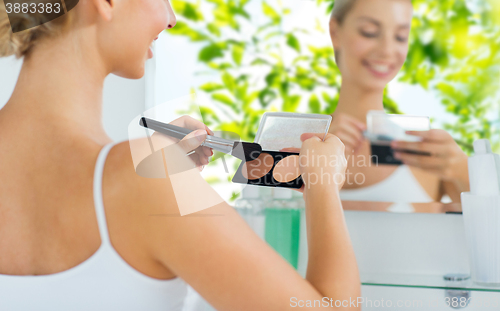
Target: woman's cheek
(362, 47)
(404, 54)
(161, 14)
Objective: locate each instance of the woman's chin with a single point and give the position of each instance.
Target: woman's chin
(136, 73)
(375, 84)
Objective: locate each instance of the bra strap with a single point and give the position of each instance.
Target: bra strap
(98, 201)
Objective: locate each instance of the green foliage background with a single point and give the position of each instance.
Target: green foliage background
(454, 53)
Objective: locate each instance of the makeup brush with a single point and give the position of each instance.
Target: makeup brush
(241, 150)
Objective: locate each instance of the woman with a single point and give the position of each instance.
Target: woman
(370, 39)
(76, 231)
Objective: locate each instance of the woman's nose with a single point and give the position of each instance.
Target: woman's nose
(386, 47)
(172, 20)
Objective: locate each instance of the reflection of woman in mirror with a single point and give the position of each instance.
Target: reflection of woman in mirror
(370, 39)
(81, 230)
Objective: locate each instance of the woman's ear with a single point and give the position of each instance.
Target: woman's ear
(334, 26)
(105, 8)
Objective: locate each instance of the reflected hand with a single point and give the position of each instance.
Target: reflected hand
(447, 159)
(349, 130)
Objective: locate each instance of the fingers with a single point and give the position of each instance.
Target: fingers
(294, 150)
(421, 161)
(311, 137)
(431, 135)
(349, 134)
(350, 143)
(353, 131)
(318, 136)
(193, 140)
(348, 119)
(349, 130)
(198, 159)
(191, 123)
(431, 148)
(207, 151)
(358, 124)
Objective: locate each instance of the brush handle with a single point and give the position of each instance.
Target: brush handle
(217, 143)
(164, 128)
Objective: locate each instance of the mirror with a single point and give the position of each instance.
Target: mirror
(271, 62)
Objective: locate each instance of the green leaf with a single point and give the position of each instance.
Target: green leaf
(214, 29)
(182, 29)
(260, 61)
(237, 54)
(270, 12)
(314, 104)
(229, 81)
(188, 10)
(271, 78)
(223, 99)
(291, 103)
(293, 42)
(211, 86)
(266, 96)
(210, 52)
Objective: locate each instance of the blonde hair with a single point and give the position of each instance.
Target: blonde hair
(22, 43)
(341, 8)
(339, 12)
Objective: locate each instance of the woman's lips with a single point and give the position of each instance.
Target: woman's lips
(379, 70)
(150, 51)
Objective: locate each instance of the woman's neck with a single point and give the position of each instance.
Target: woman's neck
(60, 84)
(357, 101)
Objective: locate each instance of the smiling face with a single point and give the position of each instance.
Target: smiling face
(127, 39)
(371, 41)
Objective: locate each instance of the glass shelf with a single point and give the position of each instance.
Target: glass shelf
(426, 208)
(423, 281)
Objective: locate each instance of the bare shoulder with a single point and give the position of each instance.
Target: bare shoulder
(132, 204)
(138, 177)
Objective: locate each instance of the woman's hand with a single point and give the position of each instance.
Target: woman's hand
(193, 140)
(349, 130)
(322, 162)
(447, 159)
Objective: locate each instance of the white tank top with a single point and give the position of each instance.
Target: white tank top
(400, 187)
(105, 281)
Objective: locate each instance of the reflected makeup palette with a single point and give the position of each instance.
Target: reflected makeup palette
(280, 131)
(272, 169)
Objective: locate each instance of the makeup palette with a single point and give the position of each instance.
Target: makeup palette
(383, 128)
(280, 131)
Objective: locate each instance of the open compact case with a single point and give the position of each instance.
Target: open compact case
(383, 128)
(280, 131)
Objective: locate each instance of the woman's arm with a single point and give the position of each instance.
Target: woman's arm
(220, 256)
(332, 266)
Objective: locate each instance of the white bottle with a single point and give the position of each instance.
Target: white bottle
(481, 214)
(484, 168)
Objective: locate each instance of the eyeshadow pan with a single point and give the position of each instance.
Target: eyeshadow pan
(259, 167)
(287, 169)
